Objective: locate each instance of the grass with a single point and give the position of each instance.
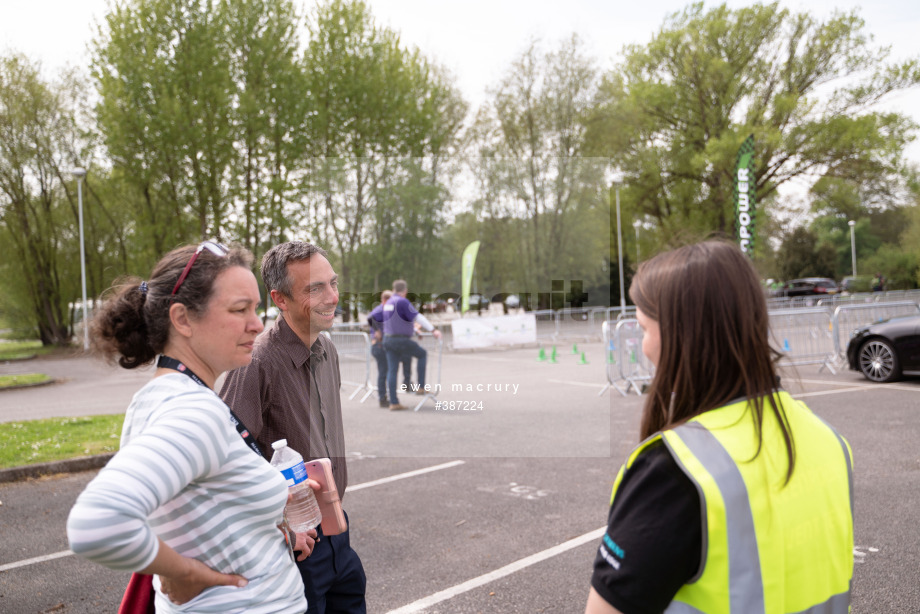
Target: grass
(17, 350)
(8, 381)
(42, 441)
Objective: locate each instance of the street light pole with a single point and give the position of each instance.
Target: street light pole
(620, 252)
(80, 173)
(636, 225)
(853, 244)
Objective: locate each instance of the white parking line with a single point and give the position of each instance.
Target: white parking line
(533, 559)
(392, 478)
(822, 393)
(481, 358)
(403, 476)
(588, 384)
(826, 382)
(866, 386)
(38, 559)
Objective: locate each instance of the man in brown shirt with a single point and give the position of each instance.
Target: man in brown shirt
(291, 390)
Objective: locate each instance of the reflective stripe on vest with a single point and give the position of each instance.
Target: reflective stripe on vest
(744, 577)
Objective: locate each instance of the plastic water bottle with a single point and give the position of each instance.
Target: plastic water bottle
(302, 512)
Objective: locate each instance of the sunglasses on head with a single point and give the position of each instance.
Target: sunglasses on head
(212, 246)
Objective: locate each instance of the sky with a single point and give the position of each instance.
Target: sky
(478, 39)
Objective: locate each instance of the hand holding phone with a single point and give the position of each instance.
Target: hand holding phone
(330, 504)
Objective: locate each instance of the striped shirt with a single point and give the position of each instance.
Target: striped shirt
(185, 475)
(293, 392)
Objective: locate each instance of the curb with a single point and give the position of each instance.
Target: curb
(18, 358)
(47, 382)
(72, 465)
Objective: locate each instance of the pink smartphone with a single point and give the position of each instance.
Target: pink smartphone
(330, 505)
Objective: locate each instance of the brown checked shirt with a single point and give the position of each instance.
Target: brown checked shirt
(291, 392)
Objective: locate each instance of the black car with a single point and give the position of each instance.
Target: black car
(887, 349)
(809, 286)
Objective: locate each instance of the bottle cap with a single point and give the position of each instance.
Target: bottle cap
(281, 443)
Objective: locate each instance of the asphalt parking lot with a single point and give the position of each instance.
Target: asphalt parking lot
(498, 509)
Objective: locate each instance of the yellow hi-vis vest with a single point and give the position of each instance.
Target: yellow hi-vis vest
(768, 547)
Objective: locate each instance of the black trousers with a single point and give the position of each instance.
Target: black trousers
(333, 577)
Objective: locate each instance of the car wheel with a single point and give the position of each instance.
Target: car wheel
(878, 362)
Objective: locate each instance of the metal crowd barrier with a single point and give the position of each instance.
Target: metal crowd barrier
(575, 324)
(354, 350)
(435, 348)
(546, 324)
(848, 318)
(634, 368)
(599, 316)
(352, 327)
(609, 353)
(901, 295)
(795, 302)
(849, 299)
(805, 336)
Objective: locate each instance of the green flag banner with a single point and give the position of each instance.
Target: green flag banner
(466, 274)
(745, 191)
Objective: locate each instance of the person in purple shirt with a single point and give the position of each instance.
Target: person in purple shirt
(375, 321)
(399, 317)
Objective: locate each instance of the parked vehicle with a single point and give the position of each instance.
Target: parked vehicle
(886, 350)
(478, 302)
(810, 286)
(859, 283)
(438, 305)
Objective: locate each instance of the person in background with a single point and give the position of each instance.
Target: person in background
(292, 390)
(399, 317)
(375, 322)
(739, 498)
(186, 498)
(878, 283)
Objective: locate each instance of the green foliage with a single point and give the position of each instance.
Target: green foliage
(910, 239)
(25, 379)
(40, 441)
(273, 102)
(544, 208)
(798, 256)
(163, 77)
(16, 350)
(219, 121)
(41, 138)
(900, 268)
(675, 112)
(383, 123)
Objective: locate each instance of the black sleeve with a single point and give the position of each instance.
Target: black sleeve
(653, 542)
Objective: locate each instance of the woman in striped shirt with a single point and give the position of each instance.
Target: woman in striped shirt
(186, 498)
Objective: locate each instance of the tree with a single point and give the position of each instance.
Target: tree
(41, 139)
(384, 120)
(674, 114)
(531, 167)
(273, 104)
(203, 104)
(798, 256)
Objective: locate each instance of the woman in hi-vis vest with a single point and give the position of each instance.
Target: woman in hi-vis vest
(738, 500)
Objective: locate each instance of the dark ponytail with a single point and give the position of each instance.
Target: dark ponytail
(119, 328)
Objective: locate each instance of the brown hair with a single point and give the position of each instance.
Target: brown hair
(133, 325)
(275, 262)
(715, 345)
